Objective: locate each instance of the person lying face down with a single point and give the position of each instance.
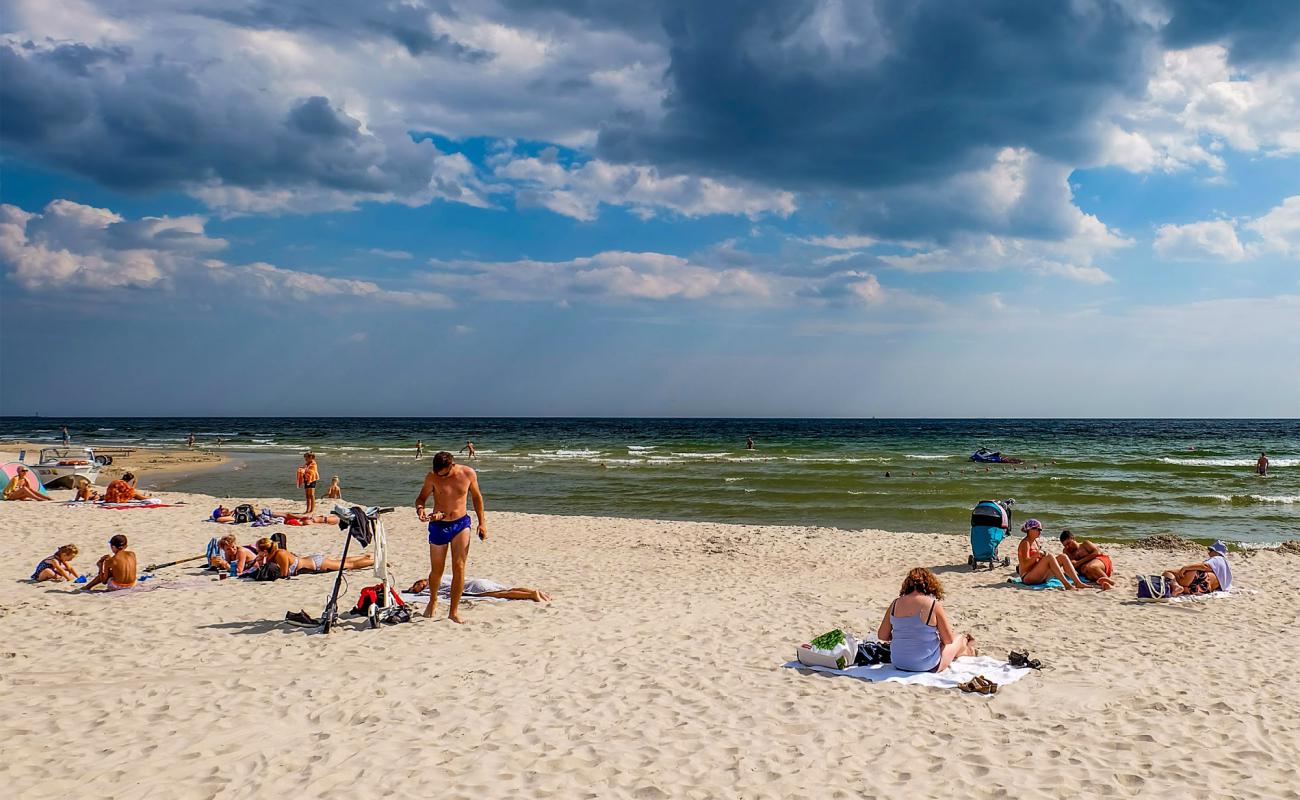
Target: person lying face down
(268, 552)
(230, 551)
(1088, 560)
(480, 587)
(117, 570)
(1211, 575)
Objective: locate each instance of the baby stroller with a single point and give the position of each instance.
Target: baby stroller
(990, 522)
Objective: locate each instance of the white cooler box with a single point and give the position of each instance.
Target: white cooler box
(848, 651)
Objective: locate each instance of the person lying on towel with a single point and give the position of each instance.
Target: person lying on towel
(225, 514)
(117, 569)
(1211, 575)
(268, 552)
(481, 587)
(229, 551)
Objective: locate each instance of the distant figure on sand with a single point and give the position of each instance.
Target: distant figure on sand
(1088, 560)
(1211, 575)
(57, 567)
(123, 490)
(918, 628)
(1261, 466)
(308, 475)
(419, 448)
(19, 489)
(449, 523)
(66, 438)
(268, 552)
(117, 569)
(1036, 566)
(749, 443)
(468, 449)
(335, 492)
(481, 587)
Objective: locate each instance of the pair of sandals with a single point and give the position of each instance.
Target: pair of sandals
(979, 685)
(1022, 659)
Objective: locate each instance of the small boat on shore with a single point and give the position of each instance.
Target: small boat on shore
(59, 467)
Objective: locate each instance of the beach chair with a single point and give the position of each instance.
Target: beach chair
(990, 523)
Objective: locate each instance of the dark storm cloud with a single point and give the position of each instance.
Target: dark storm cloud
(154, 125)
(405, 23)
(1253, 30)
(881, 95)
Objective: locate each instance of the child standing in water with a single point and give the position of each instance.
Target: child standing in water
(334, 492)
(308, 475)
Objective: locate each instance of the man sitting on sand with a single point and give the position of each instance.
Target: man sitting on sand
(1088, 560)
(268, 552)
(1036, 566)
(123, 490)
(481, 587)
(117, 569)
(19, 489)
(1211, 575)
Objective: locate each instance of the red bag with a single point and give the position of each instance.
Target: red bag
(370, 596)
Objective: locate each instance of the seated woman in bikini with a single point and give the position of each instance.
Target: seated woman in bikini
(918, 628)
(85, 492)
(58, 567)
(268, 552)
(19, 489)
(1037, 567)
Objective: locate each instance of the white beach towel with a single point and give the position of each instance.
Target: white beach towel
(1197, 598)
(960, 671)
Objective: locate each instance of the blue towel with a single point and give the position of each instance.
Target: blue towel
(1052, 583)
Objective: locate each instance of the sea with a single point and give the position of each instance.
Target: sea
(1110, 479)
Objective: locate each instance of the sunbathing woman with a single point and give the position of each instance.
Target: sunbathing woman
(85, 492)
(1037, 567)
(916, 624)
(19, 489)
(268, 552)
(224, 514)
(57, 567)
(232, 552)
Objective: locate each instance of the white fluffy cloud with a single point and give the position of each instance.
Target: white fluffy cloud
(70, 247)
(1196, 105)
(1274, 233)
(579, 190)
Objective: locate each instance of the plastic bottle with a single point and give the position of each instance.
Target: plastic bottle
(234, 569)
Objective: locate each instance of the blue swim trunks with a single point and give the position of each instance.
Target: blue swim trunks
(444, 532)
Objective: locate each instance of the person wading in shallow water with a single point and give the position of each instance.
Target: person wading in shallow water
(449, 524)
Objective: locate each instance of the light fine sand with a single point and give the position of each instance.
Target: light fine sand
(655, 672)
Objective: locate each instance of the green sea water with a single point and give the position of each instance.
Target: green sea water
(1102, 478)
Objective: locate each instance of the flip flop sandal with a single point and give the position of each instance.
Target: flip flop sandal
(969, 686)
(985, 685)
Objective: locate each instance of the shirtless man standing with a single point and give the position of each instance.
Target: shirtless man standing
(468, 448)
(1088, 560)
(116, 570)
(449, 523)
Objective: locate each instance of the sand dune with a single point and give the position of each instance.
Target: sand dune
(655, 672)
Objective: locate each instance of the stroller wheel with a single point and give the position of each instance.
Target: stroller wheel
(970, 561)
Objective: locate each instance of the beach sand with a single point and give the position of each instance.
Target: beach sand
(655, 672)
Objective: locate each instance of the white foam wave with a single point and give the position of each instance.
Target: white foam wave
(637, 448)
(620, 461)
(1289, 499)
(732, 480)
(750, 491)
(701, 455)
(563, 455)
(925, 457)
(1229, 462)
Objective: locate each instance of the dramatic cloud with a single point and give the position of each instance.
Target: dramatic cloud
(1274, 233)
(71, 247)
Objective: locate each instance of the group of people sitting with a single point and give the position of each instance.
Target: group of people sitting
(121, 490)
(1083, 562)
(114, 570)
(247, 559)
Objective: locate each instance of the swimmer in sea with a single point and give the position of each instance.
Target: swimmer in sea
(1261, 466)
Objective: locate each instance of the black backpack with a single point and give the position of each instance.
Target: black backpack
(245, 513)
(267, 572)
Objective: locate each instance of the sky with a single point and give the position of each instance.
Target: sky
(651, 208)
